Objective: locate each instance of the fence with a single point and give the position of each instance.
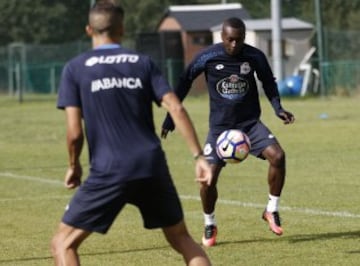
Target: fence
(341, 77)
(37, 69)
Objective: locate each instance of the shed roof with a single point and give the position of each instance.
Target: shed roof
(203, 17)
(265, 24)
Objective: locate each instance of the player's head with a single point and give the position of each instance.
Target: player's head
(106, 18)
(233, 35)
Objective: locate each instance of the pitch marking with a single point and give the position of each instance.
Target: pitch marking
(342, 214)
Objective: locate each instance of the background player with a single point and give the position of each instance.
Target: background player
(229, 69)
(112, 89)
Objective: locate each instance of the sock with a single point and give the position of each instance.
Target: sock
(273, 203)
(209, 219)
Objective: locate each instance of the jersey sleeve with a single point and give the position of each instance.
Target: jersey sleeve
(69, 93)
(194, 69)
(267, 78)
(158, 82)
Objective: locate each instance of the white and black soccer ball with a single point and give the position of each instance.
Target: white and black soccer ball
(233, 146)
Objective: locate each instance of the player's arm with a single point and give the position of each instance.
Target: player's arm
(74, 140)
(182, 89)
(184, 125)
(272, 94)
(266, 76)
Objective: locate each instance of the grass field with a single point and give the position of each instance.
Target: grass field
(319, 206)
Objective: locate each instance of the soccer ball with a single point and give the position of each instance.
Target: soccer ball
(233, 146)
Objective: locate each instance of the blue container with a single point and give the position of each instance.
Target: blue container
(291, 86)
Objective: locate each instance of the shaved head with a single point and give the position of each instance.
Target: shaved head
(106, 17)
(235, 23)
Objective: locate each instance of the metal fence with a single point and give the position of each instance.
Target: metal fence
(341, 77)
(37, 69)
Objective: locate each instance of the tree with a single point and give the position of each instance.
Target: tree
(60, 21)
(41, 21)
(341, 28)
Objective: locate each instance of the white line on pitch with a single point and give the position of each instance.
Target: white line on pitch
(343, 214)
(60, 197)
(31, 178)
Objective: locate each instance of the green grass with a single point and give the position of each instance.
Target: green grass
(319, 206)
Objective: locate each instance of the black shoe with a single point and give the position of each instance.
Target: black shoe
(209, 237)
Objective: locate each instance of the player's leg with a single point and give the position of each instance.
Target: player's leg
(209, 196)
(160, 207)
(93, 208)
(276, 172)
(65, 243)
(264, 145)
(180, 240)
(276, 179)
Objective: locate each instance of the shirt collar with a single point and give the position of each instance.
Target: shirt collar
(108, 46)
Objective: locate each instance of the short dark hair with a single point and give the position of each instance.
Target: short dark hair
(236, 23)
(106, 17)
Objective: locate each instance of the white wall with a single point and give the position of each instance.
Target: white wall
(250, 37)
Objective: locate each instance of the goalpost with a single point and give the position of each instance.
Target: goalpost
(17, 69)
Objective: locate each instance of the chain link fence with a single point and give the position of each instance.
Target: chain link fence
(36, 69)
(30, 68)
(341, 77)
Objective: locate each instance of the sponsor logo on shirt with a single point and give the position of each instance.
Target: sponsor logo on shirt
(219, 66)
(111, 83)
(112, 59)
(232, 87)
(207, 149)
(245, 68)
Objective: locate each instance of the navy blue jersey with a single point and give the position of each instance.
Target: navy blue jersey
(231, 83)
(115, 89)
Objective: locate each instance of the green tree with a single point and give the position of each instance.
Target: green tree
(41, 21)
(341, 29)
(59, 21)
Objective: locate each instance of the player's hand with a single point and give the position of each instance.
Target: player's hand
(286, 116)
(167, 126)
(73, 177)
(203, 171)
(164, 133)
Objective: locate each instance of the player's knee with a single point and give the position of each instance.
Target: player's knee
(176, 235)
(278, 158)
(209, 190)
(60, 244)
(56, 245)
(275, 155)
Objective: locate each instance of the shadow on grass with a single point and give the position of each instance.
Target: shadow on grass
(327, 236)
(14, 260)
(291, 239)
(324, 236)
(294, 239)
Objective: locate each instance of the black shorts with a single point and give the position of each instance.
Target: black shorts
(94, 207)
(260, 137)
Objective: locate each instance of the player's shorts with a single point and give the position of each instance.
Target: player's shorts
(260, 138)
(94, 206)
